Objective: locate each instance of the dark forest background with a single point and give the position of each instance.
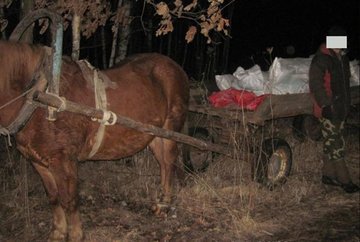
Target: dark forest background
(292, 28)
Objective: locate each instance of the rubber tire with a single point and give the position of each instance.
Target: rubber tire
(196, 160)
(275, 153)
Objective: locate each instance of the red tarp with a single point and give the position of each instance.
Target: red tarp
(244, 99)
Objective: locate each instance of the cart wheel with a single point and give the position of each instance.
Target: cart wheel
(274, 163)
(196, 160)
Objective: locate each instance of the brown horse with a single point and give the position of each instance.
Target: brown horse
(149, 88)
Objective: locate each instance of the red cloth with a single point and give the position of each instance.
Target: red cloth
(244, 99)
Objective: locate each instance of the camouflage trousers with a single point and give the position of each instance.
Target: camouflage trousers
(333, 134)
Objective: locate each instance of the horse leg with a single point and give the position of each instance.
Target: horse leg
(75, 227)
(64, 177)
(59, 230)
(65, 173)
(165, 151)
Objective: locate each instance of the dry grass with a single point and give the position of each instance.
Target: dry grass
(221, 204)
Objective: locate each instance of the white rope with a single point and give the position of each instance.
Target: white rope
(107, 115)
(62, 106)
(16, 98)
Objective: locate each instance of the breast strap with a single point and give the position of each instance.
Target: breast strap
(99, 81)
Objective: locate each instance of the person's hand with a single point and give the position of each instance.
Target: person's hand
(327, 112)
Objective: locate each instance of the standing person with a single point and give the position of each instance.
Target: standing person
(330, 88)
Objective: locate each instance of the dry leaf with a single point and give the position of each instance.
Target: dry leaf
(191, 6)
(166, 26)
(162, 9)
(190, 34)
(178, 3)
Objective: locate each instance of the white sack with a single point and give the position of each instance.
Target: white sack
(225, 81)
(251, 80)
(286, 76)
(289, 75)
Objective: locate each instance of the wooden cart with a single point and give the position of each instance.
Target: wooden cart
(264, 132)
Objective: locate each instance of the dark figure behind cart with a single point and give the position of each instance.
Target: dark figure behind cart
(329, 85)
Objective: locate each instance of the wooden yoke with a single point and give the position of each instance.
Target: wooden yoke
(53, 69)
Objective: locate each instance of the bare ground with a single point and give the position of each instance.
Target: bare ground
(221, 204)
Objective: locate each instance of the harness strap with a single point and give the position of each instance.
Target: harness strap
(91, 74)
(5, 131)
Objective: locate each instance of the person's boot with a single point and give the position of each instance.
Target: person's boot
(343, 176)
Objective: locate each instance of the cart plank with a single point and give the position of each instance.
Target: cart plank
(273, 107)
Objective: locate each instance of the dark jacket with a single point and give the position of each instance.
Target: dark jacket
(329, 81)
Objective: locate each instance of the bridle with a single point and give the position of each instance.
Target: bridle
(39, 84)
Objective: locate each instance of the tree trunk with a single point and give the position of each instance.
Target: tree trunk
(26, 8)
(103, 48)
(76, 37)
(149, 35)
(184, 56)
(169, 43)
(3, 32)
(199, 57)
(226, 49)
(124, 34)
(115, 36)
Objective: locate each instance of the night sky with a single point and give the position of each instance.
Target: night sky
(257, 24)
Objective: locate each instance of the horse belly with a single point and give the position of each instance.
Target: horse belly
(117, 145)
(141, 105)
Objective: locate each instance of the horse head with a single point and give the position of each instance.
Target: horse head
(22, 69)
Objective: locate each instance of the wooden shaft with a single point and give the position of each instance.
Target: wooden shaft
(53, 101)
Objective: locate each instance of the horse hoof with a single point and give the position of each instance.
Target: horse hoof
(57, 236)
(160, 210)
(78, 239)
(76, 235)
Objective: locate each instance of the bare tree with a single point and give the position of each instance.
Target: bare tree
(3, 23)
(115, 30)
(192, 19)
(121, 32)
(85, 17)
(226, 48)
(103, 48)
(75, 24)
(26, 7)
(124, 33)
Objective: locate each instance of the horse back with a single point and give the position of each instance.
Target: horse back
(155, 81)
(149, 88)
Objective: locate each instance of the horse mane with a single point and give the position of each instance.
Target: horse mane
(19, 62)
